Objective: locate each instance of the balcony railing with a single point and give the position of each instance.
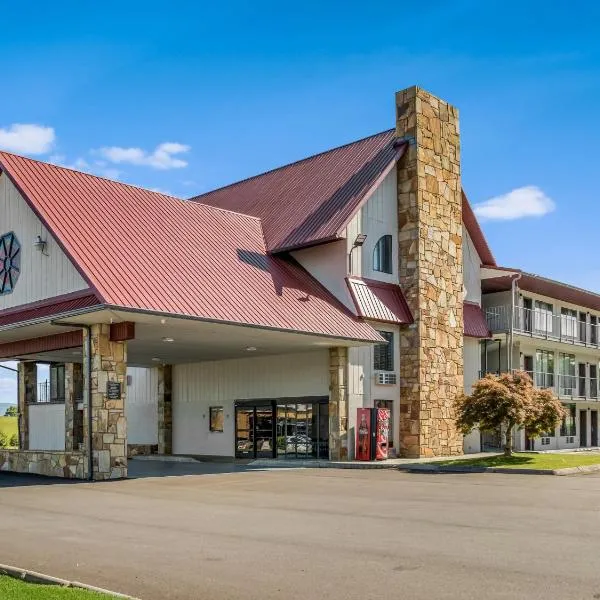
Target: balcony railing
(564, 386)
(544, 324)
(45, 393)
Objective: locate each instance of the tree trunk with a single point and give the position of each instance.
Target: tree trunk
(508, 441)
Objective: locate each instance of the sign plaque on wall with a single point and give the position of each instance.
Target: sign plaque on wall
(113, 390)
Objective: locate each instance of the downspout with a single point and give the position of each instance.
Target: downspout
(88, 399)
(513, 288)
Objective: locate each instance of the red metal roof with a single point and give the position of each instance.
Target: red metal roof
(60, 305)
(312, 200)
(476, 234)
(143, 250)
(474, 321)
(379, 301)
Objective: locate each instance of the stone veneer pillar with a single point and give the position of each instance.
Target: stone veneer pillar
(431, 274)
(165, 406)
(109, 424)
(338, 403)
(27, 382)
(73, 386)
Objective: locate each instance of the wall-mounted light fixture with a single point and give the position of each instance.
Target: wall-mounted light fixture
(40, 244)
(359, 241)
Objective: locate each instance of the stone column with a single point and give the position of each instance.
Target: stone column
(27, 384)
(431, 274)
(165, 413)
(109, 424)
(73, 387)
(338, 403)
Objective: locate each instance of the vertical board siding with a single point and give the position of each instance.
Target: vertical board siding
(41, 276)
(46, 427)
(471, 270)
(198, 386)
(141, 406)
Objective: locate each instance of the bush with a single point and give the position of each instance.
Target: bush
(3, 440)
(14, 441)
(11, 411)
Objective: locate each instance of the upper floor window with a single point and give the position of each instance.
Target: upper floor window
(383, 354)
(382, 255)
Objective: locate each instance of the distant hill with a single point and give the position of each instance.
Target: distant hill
(3, 407)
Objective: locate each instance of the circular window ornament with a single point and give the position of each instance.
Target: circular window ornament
(10, 262)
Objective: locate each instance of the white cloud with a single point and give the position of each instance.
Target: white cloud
(528, 201)
(27, 138)
(163, 157)
(98, 167)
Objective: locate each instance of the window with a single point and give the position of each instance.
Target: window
(542, 317)
(10, 262)
(382, 255)
(216, 418)
(568, 323)
(383, 354)
(544, 369)
(567, 427)
(566, 369)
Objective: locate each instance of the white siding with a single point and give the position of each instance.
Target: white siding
(141, 406)
(198, 386)
(362, 389)
(471, 270)
(46, 426)
(378, 217)
(328, 264)
(41, 276)
(472, 358)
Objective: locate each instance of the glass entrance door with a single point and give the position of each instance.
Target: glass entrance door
(244, 432)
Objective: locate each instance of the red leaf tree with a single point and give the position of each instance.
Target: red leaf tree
(509, 400)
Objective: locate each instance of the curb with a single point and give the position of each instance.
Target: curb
(432, 468)
(34, 577)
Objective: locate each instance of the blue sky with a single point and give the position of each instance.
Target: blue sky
(235, 88)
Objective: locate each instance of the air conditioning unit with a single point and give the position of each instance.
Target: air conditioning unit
(570, 440)
(386, 378)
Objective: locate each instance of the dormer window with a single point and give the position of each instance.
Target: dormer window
(382, 255)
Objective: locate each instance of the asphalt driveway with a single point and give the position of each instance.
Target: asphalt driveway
(304, 534)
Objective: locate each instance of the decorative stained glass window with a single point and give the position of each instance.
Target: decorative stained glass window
(10, 262)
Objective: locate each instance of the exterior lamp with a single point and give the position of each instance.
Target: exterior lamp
(358, 243)
(39, 244)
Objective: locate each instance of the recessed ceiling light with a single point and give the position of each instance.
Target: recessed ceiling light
(157, 359)
(251, 349)
(163, 321)
(168, 340)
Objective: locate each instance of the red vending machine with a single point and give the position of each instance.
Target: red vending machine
(363, 434)
(372, 433)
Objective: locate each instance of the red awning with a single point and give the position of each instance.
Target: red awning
(474, 321)
(379, 301)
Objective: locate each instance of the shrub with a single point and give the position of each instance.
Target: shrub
(3, 440)
(14, 441)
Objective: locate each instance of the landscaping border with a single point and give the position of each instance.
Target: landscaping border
(34, 577)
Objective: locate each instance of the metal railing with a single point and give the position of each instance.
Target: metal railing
(565, 386)
(46, 395)
(544, 324)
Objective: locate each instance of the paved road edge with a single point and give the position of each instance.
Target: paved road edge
(432, 468)
(34, 577)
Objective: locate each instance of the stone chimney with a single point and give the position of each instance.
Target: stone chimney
(431, 274)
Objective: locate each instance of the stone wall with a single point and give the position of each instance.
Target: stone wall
(109, 424)
(70, 465)
(141, 450)
(165, 409)
(338, 403)
(73, 416)
(431, 276)
(27, 390)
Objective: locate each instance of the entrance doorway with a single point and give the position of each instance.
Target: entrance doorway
(594, 428)
(282, 428)
(583, 428)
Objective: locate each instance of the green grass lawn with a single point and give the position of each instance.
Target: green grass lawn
(9, 426)
(14, 589)
(531, 461)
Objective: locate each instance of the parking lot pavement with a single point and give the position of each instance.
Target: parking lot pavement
(310, 534)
